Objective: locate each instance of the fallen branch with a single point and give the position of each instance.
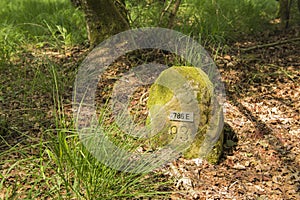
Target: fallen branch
(260, 46)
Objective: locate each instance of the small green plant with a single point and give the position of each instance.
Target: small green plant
(60, 35)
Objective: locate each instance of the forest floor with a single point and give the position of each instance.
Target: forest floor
(263, 118)
(261, 157)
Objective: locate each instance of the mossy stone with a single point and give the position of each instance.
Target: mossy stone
(162, 96)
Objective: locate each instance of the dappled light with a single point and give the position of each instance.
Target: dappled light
(255, 48)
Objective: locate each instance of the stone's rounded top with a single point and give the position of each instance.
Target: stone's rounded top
(192, 73)
(180, 81)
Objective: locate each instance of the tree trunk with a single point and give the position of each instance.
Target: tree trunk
(284, 11)
(104, 18)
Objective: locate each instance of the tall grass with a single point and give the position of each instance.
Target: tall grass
(215, 20)
(55, 164)
(81, 174)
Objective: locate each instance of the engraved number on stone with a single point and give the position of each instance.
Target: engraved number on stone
(181, 132)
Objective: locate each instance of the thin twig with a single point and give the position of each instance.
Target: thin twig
(173, 14)
(165, 10)
(260, 46)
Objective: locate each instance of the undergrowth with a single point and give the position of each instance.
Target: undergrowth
(213, 20)
(53, 23)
